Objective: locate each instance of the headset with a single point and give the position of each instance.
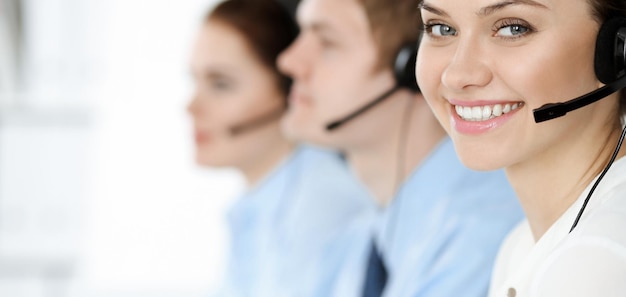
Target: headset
(404, 74)
(610, 69)
(609, 66)
(610, 56)
(404, 67)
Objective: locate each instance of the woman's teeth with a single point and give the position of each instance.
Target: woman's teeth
(486, 112)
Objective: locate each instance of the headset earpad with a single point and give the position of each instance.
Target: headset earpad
(610, 55)
(404, 67)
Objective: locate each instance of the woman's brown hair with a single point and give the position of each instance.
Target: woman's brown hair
(266, 25)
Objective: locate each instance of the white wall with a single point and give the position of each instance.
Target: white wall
(105, 142)
(8, 50)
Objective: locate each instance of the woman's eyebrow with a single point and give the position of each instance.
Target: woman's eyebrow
(485, 11)
(425, 6)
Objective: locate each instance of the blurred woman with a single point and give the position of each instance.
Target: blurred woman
(286, 229)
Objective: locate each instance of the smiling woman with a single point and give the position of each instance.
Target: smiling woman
(484, 66)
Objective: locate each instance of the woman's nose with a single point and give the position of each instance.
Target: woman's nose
(467, 67)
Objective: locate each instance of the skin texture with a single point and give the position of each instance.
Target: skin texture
(233, 87)
(487, 52)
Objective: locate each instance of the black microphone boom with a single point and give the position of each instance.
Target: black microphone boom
(336, 124)
(555, 110)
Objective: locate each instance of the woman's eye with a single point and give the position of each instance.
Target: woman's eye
(327, 43)
(440, 30)
(221, 84)
(512, 30)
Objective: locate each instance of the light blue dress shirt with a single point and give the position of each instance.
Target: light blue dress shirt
(440, 235)
(294, 231)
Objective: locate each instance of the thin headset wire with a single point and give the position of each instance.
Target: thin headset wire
(401, 156)
(402, 142)
(593, 188)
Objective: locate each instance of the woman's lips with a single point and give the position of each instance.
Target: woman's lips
(202, 137)
(480, 118)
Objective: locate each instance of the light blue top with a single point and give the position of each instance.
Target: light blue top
(440, 235)
(290, 234)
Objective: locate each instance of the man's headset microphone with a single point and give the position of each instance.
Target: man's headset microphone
(404, 73)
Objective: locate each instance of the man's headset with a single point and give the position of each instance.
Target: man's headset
(404, 73)
(404, 67)
(610, 69)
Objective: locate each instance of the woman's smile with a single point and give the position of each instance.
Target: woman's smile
(479, 117)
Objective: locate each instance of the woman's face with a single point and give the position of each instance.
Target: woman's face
(484, 65)
(232, 87)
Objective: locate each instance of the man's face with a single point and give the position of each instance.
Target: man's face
(332, 63)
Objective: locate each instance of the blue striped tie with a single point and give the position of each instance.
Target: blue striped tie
(376, 276)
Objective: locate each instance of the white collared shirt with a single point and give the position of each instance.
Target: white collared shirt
(590, 261)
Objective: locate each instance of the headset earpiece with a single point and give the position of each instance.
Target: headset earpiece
(610, 55)
(404, 67)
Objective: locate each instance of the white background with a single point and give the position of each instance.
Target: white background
(99, 195)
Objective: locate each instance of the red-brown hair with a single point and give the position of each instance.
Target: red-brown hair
(265, 24)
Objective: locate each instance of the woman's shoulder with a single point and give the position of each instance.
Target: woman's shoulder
(514, 249)
(604, 223)
(516, 245)
(584, 265)
(591, 261)
(606, 218)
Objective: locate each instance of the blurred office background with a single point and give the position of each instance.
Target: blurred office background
(99, 193)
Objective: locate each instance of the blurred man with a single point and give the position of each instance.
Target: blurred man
(439, 224)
